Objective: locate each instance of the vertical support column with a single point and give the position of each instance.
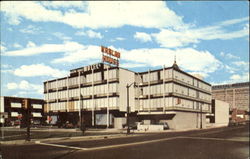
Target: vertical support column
(79, 104)
(164, 90)
(138, 93)
(47, 87)
(67, 94)
(108, 96)
(93, 118)
(57, 98)
(149, 91)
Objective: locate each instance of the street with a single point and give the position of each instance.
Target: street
(218, 143)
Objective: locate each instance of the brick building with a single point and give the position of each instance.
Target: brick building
(15, 110)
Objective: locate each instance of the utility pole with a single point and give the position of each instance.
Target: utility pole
(82, 126)
(128, 130)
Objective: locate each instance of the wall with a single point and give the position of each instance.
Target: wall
(126, 77)
(221, 113)
(187, 120)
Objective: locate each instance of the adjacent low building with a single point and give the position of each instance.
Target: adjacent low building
(14, 111)
(97, 95)
(219, 115)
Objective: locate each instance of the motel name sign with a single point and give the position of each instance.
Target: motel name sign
(110, 56)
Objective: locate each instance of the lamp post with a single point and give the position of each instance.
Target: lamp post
(82, 127)
(128, 85)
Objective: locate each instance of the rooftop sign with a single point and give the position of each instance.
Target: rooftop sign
(109, 56)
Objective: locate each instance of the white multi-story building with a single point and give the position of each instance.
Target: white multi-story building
(164, 95)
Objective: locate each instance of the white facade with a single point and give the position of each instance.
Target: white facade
(103, 87)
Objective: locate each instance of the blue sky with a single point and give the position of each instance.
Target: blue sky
(44, 40)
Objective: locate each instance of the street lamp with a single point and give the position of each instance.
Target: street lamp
(82, 127)
(128, 85)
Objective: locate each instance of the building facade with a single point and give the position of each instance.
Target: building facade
(97, 95)
(219, 115)
(14, 111)
(237, 95)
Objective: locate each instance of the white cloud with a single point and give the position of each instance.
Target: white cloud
(46, 48)
(92, 34)
(120, 38)
(30, 29)
(152, 14)
(88, 53)
(12, 85)
(3, 48)
(25, 85)
(132, 65)
(187, 58)
(229, 55)
(240, 77)
(178, 38)
(144, 37)
(241, 63)
(30, 44)
(16, 45)
(236, 78)
(62, 4)
(38, 70)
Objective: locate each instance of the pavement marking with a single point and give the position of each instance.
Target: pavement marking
(218, 139)
(109, 146)
(130, 144)
(63, 146)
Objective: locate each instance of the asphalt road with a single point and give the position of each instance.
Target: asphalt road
(220, 143)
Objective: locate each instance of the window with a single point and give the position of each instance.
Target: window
(178, 101)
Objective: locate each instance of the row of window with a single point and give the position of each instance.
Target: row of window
(85, 104)
(171, 87)
(85, 91)
(171, 102)
(83, 79)
(153, 76)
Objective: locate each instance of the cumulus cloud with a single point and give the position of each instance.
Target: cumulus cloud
(25, 85)
(38, 70)
(143, 37)
(95, 14)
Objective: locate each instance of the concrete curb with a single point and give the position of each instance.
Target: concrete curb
(33, 141)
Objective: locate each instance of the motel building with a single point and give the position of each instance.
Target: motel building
(97, 96)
